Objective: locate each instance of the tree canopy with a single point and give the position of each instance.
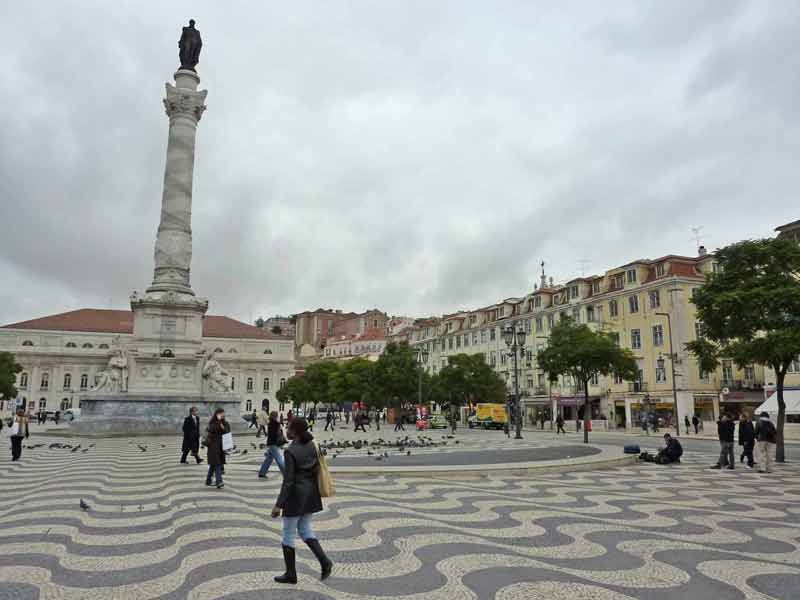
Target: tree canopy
(396, 374)
(467, 378)
(8, 375)
(750, 311)
(577, 351)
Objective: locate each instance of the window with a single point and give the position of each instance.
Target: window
(661, 374)
(218, 350)
(660, 270)
(715, 267)
(450, 343)
(573, 292)
(593, 380)
(249, 384)
(749, 373)
(84, 381)
(630, 275)
(67, 381)
(794, 367)
(655, 299)
(530, 382)
(87, 346)
(466, 340)
(537, 301)
(636, 339)
(615, 337)
(590, 314)
(103, 346)
(492, 359)
(65, 404)
(484, 336)
(45, 381)
(551, 321)
(539, 323)
(613, 308)
(266, 384)
(658, 335)
(282, 383)
(618, 281)
(474, 338)
(702, 374)
(596, 286)
(617, 378)
(458, 341)
(71, 345)
(42, 403)
(23, 381)
(248, 405)
(233, 383)
(576, 314)
(727, 372)
(528, 357)
(528, 325)
(503, 358)
(492, 334)
(698, 330)
(27, 343)
(633, 303)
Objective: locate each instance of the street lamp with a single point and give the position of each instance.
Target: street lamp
(515, 340)
(660, 364)
(422, 359)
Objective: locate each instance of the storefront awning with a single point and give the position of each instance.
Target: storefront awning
(790, 397)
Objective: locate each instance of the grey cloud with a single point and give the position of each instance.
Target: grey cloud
(419, 157)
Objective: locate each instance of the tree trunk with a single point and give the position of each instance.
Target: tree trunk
(779, 451)
(587, 418)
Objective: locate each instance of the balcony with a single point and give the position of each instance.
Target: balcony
(540, 390)
(637, 386)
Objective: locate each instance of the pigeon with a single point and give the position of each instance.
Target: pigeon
(163, 445)
(142, 448)
(83, 505)
(244, 452)
(408, 453)
(76, 448)
(85, 450)
(369, 452)
(91, 445)
(253, 445)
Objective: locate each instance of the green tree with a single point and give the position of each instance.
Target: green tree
(396, 374)
(750, 312)
(8, 375)
(276, 329)
(581, 353)
(352, 382)
(318, 375)
(295, 392)
(259, 322)
(467, 378)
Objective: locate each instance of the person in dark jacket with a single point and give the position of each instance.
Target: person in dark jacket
(274, 441)
(191, 436)
(560, 425)
(20, 422)
(671, 452)
(299, 499)
(329, 420)
(767, 436)
(217, 427)
(747, 440)
(725, 429)
(696, 424)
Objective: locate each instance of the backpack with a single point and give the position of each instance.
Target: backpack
(767, 431)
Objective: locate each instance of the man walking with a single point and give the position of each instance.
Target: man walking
(377, 420)
(767, 437)
(696, 424)
(725, 429)
(686, 423)
(560, 425)
(253, 420)
(360, 419)
(329, 420)
(747, 440)
(398, 421)
(191, 436)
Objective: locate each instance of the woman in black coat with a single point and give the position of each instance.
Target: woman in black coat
(299, 499)
(217, 427)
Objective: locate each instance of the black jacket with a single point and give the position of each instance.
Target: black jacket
(747, 433)
(215, 431)
(673, 450)
(299, 493)
(273, 433)
(765, 431)
(191, 433)
(725, 430)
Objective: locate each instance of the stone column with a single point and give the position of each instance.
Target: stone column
(173, 251)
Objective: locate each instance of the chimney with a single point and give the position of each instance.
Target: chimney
(701, 251)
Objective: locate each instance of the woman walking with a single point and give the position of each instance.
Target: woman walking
(19, 430)
(275, 440)
(299, 499)
(217, 427)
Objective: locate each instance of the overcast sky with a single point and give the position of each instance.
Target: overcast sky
(418, 157)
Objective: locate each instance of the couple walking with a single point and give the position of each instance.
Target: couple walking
(299, 497)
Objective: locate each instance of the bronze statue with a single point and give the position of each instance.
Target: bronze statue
(190, 45)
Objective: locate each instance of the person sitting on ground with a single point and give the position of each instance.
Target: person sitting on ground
(671, 452)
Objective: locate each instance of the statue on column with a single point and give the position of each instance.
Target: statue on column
(190, 45)
(213, 373)
(114, 378)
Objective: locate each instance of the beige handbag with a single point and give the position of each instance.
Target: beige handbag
(324, 477)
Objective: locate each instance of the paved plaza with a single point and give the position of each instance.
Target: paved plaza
(153, 530)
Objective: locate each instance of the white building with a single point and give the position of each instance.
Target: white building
(369, 345)
(62, 354)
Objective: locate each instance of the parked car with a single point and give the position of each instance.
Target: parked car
(71, 414)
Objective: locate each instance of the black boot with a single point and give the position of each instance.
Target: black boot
(291, 573)
(324, 561)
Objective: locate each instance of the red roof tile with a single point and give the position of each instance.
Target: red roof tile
(93, 320)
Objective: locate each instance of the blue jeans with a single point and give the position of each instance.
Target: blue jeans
(272, 453)
(301, 524)
(216, 470)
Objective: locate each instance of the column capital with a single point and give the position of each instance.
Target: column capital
(184, 102)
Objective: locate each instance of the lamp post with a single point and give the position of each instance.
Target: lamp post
(660, 363)
(515, 340)
(422, 359)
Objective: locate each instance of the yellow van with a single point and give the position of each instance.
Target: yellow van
(489, 416)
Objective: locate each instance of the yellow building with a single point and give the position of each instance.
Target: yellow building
(641, 302)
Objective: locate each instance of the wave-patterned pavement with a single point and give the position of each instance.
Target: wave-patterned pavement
(154, 531)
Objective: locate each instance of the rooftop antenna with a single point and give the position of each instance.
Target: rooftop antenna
(696, 235)
(583, 263)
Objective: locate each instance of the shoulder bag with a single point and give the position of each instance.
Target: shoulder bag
(324, 477)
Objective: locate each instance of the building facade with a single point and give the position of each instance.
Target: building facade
(315, 328)
(369, 345)
(640, 303)
(62, 355)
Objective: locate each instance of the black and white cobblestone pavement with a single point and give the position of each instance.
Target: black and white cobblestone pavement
(155, 531)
